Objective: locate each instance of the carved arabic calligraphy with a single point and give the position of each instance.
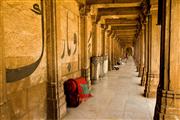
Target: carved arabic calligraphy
(22, 72)
(36, 9)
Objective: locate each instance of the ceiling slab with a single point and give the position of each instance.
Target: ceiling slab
(119, 11)
(121, 21)
(124, 28)
(111, 1)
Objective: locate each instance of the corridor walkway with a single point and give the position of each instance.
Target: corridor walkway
(116, 97)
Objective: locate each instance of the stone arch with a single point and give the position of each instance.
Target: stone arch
(129, 50)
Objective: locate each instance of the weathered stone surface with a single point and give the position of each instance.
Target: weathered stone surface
(154, 56)
(168, 102)
(22, 43)
(95, 69)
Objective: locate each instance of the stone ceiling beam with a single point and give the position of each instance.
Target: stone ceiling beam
(111, 1)
(119, 11)
(125, 33)
(121, 21)
(124, 28)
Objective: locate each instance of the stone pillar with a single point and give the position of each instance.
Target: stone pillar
(109, 50)
(53, 95)
(144, 76)
(95, 69)
(85, 62)
(95, 60)
(168, 93)
(112, 49)
(141, 68)
(154, 55)
(103, 51)
(138, 54)
(94, 39)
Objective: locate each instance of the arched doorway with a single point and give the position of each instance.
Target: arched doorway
(129, 51)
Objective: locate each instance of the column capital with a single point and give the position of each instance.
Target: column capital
(95, 19)
(84, 10)
(109, 32)
(104, 26)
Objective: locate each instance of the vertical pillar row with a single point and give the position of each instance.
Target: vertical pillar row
(168, 93)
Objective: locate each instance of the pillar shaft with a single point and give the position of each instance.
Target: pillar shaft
(154, 57)
(138, 54)
(112, 50)
(53, 101)
(95, 60)
(94, 39)
(109, 51)
(141, 68)
(103, 39)
(144, 76)
(84, 48)
(168, 94)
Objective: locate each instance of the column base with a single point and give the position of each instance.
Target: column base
(109, 65)
(95, 69)
(102, 67)
(167, 105)
(86, 74)
(141, 68)
(151, 85)
(143, 78)
(105, 64)
(137, 68)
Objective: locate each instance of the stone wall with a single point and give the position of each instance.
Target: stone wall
(68, 44)
(23, 46)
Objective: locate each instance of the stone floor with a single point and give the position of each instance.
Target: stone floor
(116, 97)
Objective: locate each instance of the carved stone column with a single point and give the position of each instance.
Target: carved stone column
(85, 62)
(138, 53)
(109, 50)
(168, 93)
(146, 43)
(94, 39)
(112, 48)
(154, 55)
(95, 69)
(103, 51)
(95, 60)
(141, 68)
(53, 89)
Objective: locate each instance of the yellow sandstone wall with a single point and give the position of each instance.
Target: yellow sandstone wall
(68, 44)
(68, 39)
(25, 98)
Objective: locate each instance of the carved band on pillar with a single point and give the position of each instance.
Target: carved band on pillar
(95, 69)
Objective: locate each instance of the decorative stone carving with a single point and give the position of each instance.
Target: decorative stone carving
(95, 69)
(105, 64)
